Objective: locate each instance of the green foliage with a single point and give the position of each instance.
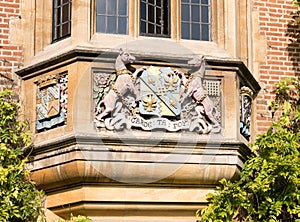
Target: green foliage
(297, 3)
(269, 185)
(77, 219)
(19, 199)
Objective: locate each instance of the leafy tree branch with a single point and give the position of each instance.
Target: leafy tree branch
(20, 201)
(269, 186)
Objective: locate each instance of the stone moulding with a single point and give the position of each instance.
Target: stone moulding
(94, 55)
(81, 159)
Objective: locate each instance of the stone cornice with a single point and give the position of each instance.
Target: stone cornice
(92, 55)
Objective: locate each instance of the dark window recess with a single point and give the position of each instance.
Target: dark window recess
(61, 26)
(155, 18)
(112, 16)
(195, 19)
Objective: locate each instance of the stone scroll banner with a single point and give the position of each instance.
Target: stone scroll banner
(121, 121)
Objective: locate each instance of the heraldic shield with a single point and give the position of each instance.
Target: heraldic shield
(48, 102)
(160, 92)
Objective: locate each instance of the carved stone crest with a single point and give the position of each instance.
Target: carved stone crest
(51, 103)
(155, 98)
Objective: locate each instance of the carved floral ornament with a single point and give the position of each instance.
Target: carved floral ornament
(156, 97)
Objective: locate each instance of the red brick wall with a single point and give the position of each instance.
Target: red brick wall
(11, 56)
(283, 55)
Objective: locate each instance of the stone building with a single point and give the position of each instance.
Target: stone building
(143, 133)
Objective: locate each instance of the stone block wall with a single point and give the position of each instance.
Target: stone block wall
(276, 25)
(11, 55)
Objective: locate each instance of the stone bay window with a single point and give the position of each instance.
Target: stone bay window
(142, 109)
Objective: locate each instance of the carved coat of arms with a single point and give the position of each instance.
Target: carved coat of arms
(154, 98)
(48, 102)
(51, 103)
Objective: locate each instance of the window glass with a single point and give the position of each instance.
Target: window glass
(195, 19)
(61, 24)
(155, 18)
(122, 7)
(112, 16)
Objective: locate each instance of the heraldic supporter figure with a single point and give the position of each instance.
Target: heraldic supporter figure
(123, 85)
(194, 90)
(126, 105)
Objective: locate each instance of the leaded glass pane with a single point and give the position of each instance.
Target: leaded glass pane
(101, 23)
(111, 7)
(185, 31)
(61, 24)
(154, 20)
(122, 25)
(112, 16)
(122, 7)
(111, 24)
(185, 12)
(195, 19)
(205, 32)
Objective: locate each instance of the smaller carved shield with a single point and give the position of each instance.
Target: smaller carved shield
(48, 102)
(159, 92)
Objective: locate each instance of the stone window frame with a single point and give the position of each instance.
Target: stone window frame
(231, 32)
